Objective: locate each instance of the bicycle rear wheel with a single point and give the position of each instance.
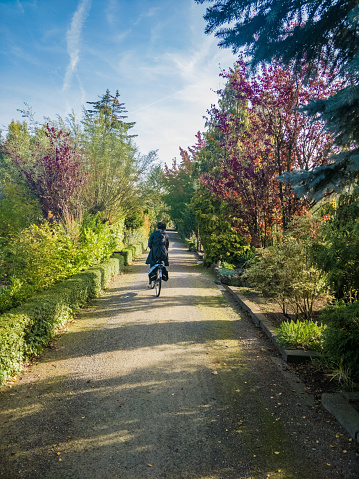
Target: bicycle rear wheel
(158, 285)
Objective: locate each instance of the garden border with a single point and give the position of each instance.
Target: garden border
(337, 404)
(259, 318)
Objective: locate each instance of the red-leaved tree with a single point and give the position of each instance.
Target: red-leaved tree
(53, 171)
(256, 134)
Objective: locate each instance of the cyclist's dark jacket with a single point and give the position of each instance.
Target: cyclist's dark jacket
(159, 243)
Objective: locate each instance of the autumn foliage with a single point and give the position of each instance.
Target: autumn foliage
(54, 173)
(256, 134)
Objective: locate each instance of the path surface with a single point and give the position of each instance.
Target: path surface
(180, 386)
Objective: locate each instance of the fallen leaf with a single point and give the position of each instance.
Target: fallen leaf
(214, 372)
(216, 362)
(149, 465)
(276, 452)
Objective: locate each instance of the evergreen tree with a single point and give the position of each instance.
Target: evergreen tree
(304, 30)
(112, 109)
(111, 167)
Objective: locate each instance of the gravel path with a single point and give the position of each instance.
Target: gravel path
(181, 386)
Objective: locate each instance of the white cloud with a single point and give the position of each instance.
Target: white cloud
(73, 36)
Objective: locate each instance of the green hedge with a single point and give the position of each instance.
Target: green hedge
(129, 252)
(25, 330)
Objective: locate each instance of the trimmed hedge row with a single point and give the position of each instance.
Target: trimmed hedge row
(25, 330)
(129, 252)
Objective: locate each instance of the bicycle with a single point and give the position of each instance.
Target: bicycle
(157, 282)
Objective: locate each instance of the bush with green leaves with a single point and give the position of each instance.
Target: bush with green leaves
(135, 219)
(221, 242)
(341, 336)
(336, 250)
(130, 251)
(98, 240)
(42, 255)
(300, 334)
(284, 272)
(18, 210)
(191, 242)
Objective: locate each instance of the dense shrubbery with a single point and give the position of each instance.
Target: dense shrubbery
(191, 242)
(39, 256)
(341, 337)
(220, 241)
(284, 272)
(336, 250)
(18, 210)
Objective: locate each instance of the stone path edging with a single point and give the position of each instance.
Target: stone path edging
(259, 318)
(337, 404)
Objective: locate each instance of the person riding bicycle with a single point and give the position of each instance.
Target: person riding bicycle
(158, 243)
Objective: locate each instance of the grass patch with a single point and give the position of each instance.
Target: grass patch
(301, 334)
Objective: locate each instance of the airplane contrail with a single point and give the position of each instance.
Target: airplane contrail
(158, 101)
(73, 39)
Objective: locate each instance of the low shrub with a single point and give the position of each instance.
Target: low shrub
(284, 272)
(231, 277)
(341, 337)
(300, 334)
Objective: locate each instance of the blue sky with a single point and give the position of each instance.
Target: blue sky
(56, 55)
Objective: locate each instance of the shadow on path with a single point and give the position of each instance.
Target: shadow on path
(145, 387)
